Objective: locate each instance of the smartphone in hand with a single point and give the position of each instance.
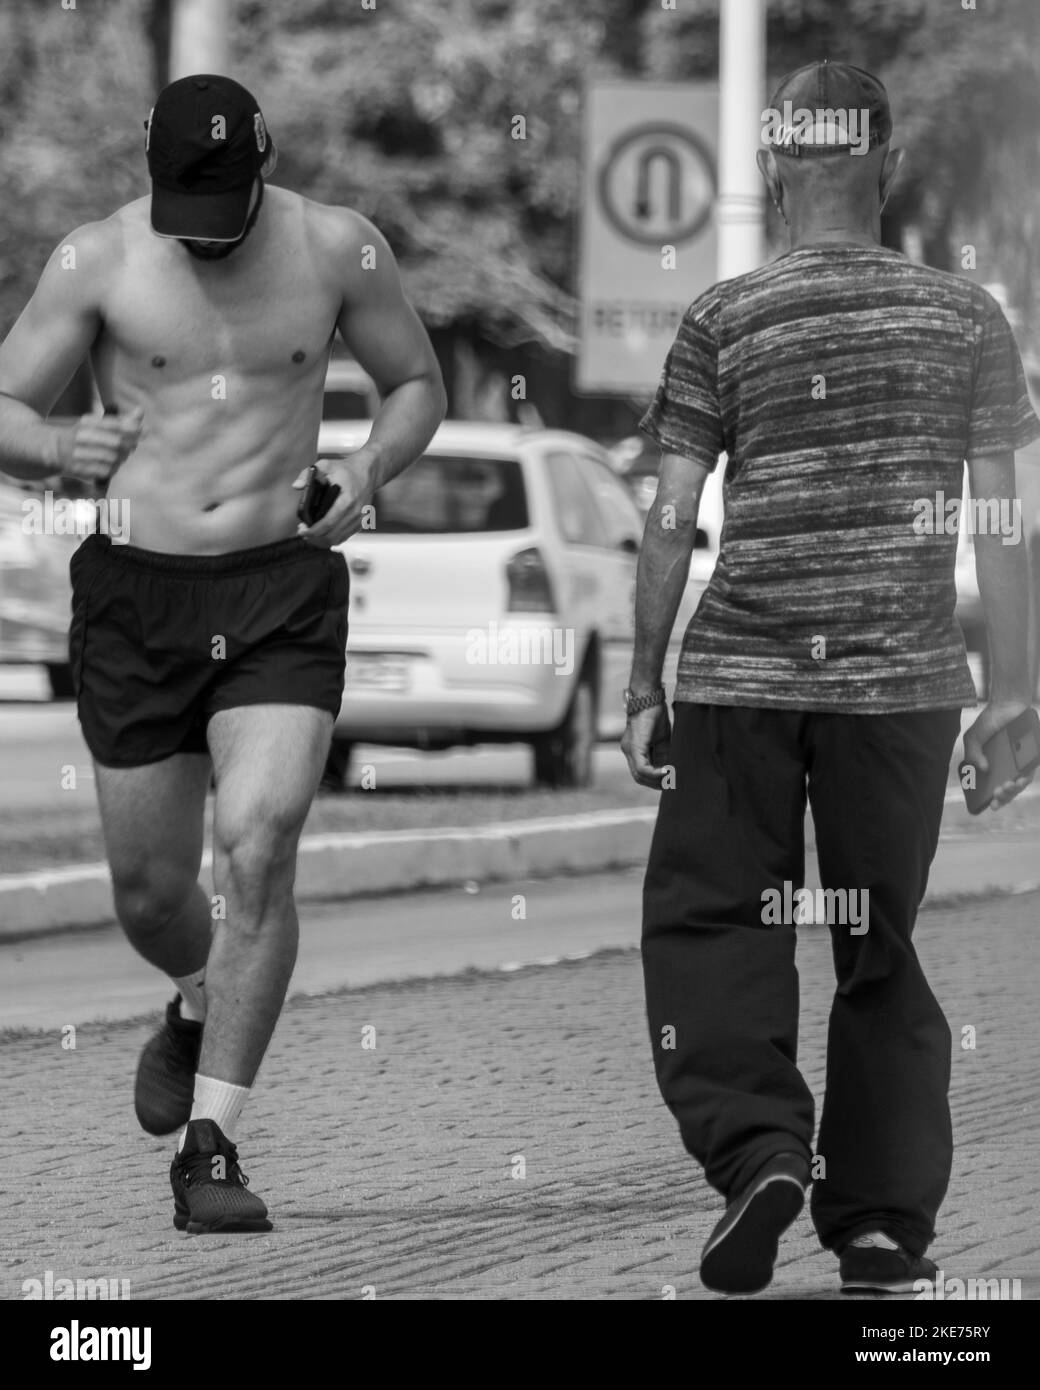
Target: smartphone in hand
(317, 496)
(1013, 751)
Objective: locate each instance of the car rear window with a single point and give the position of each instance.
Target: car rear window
(444, 495)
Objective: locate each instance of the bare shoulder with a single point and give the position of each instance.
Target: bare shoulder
(96, 250)
(340, 233)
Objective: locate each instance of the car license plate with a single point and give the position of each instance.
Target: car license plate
(377, 671)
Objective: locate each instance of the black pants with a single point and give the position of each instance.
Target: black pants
(721, 984)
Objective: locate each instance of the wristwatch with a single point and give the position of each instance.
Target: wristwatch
(635, 704)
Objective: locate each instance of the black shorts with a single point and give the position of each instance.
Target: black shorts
(160, 643)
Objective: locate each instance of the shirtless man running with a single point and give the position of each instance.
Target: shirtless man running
(215, 640)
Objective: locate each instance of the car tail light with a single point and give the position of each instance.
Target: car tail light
(529, 587)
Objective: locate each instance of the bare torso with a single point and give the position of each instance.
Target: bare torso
(227, 359)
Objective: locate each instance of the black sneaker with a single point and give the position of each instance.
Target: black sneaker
(741, 1251)
(209, 1188)
(870, 1268)
(166, 1071)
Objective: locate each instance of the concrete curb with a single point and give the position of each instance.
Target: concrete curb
(338, 866)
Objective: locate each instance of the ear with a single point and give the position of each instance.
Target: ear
(766, 161)
(270, 159)
(889, 173)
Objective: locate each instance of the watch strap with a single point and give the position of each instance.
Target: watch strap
(635, 704)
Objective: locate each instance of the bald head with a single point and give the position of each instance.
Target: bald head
(832, 194)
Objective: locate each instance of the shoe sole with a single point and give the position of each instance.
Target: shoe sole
(223, 1225)
(865, 1286)
(741, 1259)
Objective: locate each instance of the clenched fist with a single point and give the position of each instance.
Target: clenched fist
(96, 445)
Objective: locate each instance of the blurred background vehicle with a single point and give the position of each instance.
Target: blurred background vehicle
(35, 588)
(493, 599)
(35, 592)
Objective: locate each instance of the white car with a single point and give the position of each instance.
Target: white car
(35, 591)
(493, 598)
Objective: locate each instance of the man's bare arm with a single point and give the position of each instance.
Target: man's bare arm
(1004, 589)
(385, 335)
(1003, 582)
(664, 566)
(51, 338)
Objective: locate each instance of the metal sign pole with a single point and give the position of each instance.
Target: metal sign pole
(742, 72)
(198, 37)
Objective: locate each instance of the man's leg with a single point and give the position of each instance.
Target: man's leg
(721, 983)
(152, 818)
(876, 787)
(268, 761)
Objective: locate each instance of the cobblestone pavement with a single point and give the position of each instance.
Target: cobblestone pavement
(394, 1171)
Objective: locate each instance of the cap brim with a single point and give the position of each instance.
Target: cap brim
(825, 137)
(201, 216)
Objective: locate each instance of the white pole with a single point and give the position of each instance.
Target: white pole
(742, 96)
(198, 37)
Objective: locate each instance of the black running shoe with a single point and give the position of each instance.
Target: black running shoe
(166, 1071)
(209, 1188)
(741, 1251)
(873, 1269)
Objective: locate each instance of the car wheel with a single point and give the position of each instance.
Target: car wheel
(563, 756)
(337, 765)
(60, 677)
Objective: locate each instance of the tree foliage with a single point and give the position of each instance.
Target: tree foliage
(409, 112)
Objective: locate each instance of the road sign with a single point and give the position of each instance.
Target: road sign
(648, 239)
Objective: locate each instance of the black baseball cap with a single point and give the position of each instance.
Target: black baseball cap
(206, 143)
(825, 89)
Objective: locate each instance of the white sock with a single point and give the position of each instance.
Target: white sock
(192, 989)
(218, 1101)
(876, 1239)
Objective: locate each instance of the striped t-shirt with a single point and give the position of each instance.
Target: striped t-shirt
(847, 385)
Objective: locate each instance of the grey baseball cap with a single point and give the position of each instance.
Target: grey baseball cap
(829, 108)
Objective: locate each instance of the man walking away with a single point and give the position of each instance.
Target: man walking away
(846, 384)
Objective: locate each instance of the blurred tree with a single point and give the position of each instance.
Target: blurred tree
(414, 114)
(77, 86)
(455, 127)
(965, 91)
(969, 103)
(73, 129)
